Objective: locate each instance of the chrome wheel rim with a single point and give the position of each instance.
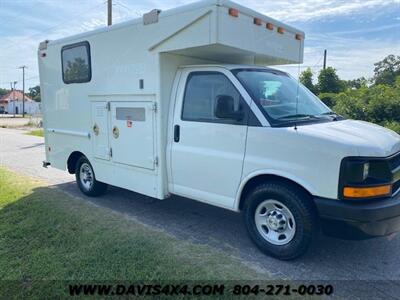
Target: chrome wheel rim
(86, 176)
(275, 222)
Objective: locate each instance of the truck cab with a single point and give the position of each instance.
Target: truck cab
(192, 110)
(263, 135)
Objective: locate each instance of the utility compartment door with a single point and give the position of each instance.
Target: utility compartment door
(100, 134)
(132, 134)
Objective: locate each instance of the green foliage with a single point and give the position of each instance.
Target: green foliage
(3, 91)
(375, 100)
(379, 104)
(306, 78)
(329, 82)
(48, 239)
(356, 83)
(328, 98)
(34, 93)
(76, 70)
(393, 125)
(387, 70)
(37, 132)
(350, 105)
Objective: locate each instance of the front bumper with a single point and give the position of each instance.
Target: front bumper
(359, 220)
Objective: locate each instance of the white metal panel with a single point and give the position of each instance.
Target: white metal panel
(267, 46)
(100, 134)
(208, 159)
(132, 134)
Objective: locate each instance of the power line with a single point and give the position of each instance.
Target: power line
(47, 30)
(128, 8)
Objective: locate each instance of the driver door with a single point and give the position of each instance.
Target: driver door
(207, 151)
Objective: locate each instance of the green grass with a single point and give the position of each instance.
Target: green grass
(49, 239)
(37, 132)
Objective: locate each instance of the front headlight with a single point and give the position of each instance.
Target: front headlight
(363, 178)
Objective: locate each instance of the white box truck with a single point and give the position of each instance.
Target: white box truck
(179, 103)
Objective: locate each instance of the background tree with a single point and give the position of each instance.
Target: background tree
(76, 70)
(387, 70)
(34, 93)
(3, 91)
(378, 104)
(329, 82)
(356, 83)
(306, 78)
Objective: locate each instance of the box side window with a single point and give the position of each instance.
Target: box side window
(76, 64)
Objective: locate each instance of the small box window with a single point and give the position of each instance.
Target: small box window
(76, 65)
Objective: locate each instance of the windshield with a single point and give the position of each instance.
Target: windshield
(276, 92)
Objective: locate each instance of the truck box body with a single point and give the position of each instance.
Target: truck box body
(132, 69)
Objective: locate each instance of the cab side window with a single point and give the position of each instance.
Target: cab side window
(211, 97)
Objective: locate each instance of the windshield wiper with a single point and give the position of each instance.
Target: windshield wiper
(297, 116)
(332, 114)
(329, 113)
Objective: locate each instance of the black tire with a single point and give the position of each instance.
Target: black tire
(96, 188)
(301, 208)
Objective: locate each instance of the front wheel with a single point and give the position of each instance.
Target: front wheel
(86, 179)
(281, 219)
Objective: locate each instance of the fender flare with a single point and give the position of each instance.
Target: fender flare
(308, 187)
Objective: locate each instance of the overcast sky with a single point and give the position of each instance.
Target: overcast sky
(356, 33)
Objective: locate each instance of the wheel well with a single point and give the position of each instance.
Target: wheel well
(72, 160)
(255, 181)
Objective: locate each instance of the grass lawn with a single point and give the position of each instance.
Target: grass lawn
(49, 239)
(37, 132)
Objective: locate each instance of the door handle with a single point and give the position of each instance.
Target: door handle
(96, 129)
(177, 133)
(115, 132)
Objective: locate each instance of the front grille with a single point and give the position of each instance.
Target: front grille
(394, 163)
(396, 187)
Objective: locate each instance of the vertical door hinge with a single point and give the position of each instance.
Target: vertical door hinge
(110, 152)
(156, 161)
(108, 106)
(154, 108)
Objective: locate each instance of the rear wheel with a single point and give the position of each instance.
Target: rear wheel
(86, 179)
(281, 219)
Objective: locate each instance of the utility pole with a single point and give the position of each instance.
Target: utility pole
(15, 82)
(109, 12)
(325, 53)
(23, 90)
(13, 95)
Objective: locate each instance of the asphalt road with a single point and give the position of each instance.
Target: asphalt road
(376, 261)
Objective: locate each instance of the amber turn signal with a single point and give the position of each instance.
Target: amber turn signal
(299, 37)
(257, 21)
(233, 12)
(367, 192)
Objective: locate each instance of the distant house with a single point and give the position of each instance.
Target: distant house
(11, 103)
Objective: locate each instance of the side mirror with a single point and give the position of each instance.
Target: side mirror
(225, 109)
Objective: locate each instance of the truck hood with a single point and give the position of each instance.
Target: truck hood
(362, 138)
